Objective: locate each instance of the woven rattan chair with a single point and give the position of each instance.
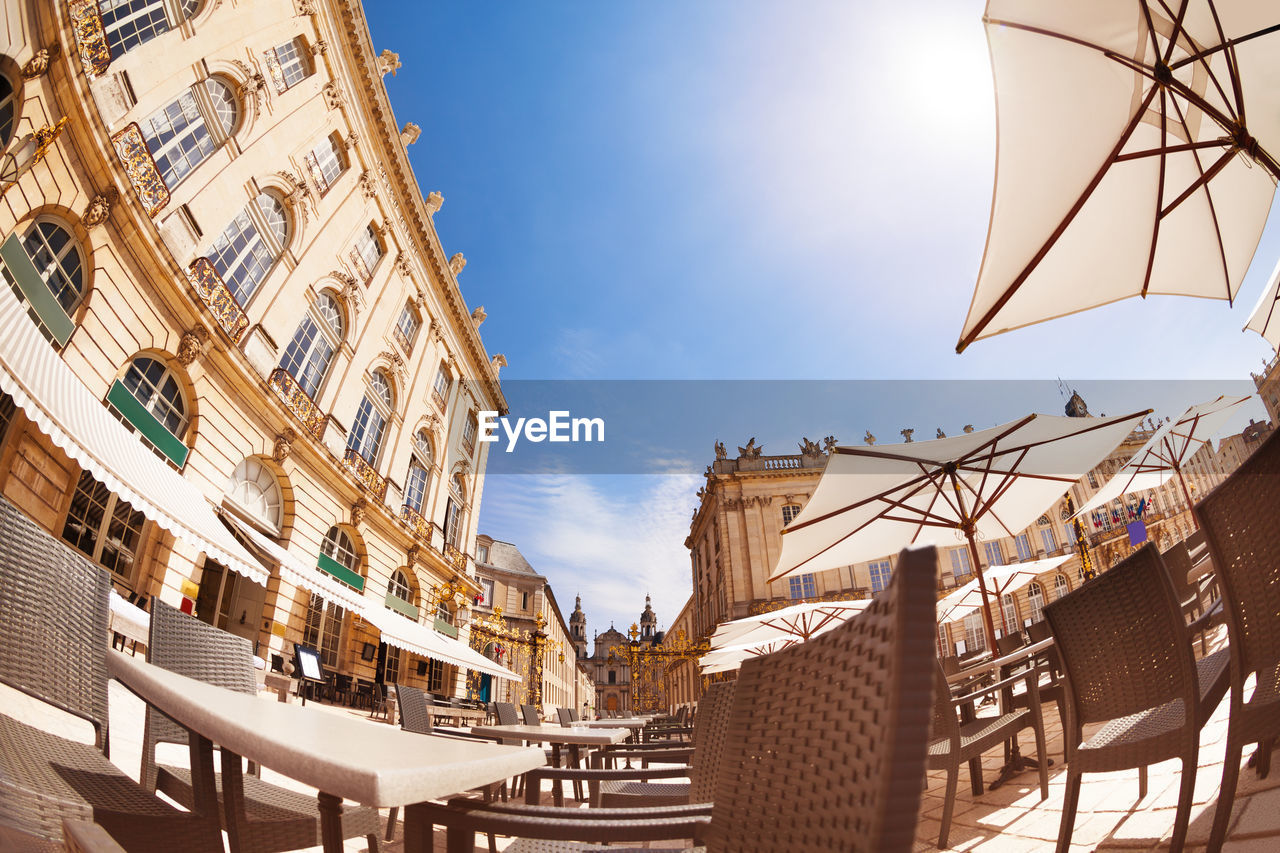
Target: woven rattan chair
(1239, 520)
(958, 737)
(530, 715)
(825, 747)
(53, 621)
(1130, 667)
(565, 716)
(273, 818)
(1177, 562)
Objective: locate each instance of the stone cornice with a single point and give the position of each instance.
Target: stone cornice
(350, 19)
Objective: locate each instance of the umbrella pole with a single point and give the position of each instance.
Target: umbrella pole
(1191, 507)
(982, 588)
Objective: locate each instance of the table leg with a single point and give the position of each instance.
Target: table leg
(575, 761)
(331, 822)
(417, 829)
(204, 791)
(233, 800)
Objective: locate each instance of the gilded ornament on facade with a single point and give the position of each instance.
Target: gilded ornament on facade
(140, 166)
(208, 285)
(420, 526)
(91, 38)
(299, 404)
(39, 64)
(364, 474)
(99, 207)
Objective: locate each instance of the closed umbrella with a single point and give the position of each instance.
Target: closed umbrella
(1137, 153)
(873, 501)
(1167, 451)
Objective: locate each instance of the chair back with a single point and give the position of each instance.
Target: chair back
(1177, 562)
(1123, 642)
(1239, 520)
(54, 612)
(832, 733)
(1196, 540)
(709, 727)
(564, 716)
(415, 709)
(183, 644)
(531, 716)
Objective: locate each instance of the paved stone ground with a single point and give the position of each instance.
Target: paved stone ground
(1011, 819)
(1110, 816)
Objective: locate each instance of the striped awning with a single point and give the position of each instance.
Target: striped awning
(419, 639)
(295, 570)
(75, 420)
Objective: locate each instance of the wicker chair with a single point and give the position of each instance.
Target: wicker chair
(273, 818)
(530, 715)
(958, 737)
(53, 620)
(1177, 562)
(565, 716)
(825, 747)
(1239, 522)
(1130, 667)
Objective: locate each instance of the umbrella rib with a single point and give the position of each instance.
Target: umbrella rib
(1172, 149)
(918, 484)
(1155, 224)
(1205, 177)
(1213, 208)
(933, 500)
(1226, 44)
(1021, 278)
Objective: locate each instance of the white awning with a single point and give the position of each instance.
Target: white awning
(297, 572)
(419, 639)
(77, 422)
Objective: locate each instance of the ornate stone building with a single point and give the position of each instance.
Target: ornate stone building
(630, 670)
(735, 539)
(518, 623)
(209, 214)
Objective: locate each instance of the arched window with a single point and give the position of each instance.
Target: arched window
(399, 586)
(56, 257)
(1010, 608)
(8, 109)
(129, 23)
(1060, 586)
(1035, 597)
(325, 163)
(245, 251)
(102, 525)
(407, 327)
(255, 490)
(371, 419)
(183, 134)
(455, 512)
(309, 354)
(149, 399)
(367, 251)
(338, 547)
(789, 512)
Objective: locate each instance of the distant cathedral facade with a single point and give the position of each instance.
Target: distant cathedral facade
(610, 661)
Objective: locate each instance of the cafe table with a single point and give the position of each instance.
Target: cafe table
(340, 756)
(558, 736)
(632, 724)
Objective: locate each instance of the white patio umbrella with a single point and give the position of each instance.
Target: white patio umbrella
(1164, 454)
(874, 501)
(1137, 153)
(1000, 581)
(799, 622)
(730, 658)
(1265, 319)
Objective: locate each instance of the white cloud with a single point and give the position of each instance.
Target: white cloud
(609, 542)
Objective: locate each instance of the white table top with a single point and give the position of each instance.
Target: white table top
(616, 722)
(555, 734)
(376, 765)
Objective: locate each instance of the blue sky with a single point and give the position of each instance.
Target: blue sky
(736, 189)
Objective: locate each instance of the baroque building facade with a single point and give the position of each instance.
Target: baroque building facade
(735, 539)
(209, 213)
(518, 622)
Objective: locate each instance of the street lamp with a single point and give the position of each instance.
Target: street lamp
(28, 151)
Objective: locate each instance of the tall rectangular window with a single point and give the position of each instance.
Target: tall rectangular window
(960, 565)
(994, 556)
(789, 512)
(1023, 542)
(129, 23)
(177, 138)
(415, 486)
(879, 575)
(1050, 543)
(803, 586)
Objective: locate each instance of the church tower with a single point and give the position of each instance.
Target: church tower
(648, 623)
(578, 629)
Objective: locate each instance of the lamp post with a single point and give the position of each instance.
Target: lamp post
(29, 151)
